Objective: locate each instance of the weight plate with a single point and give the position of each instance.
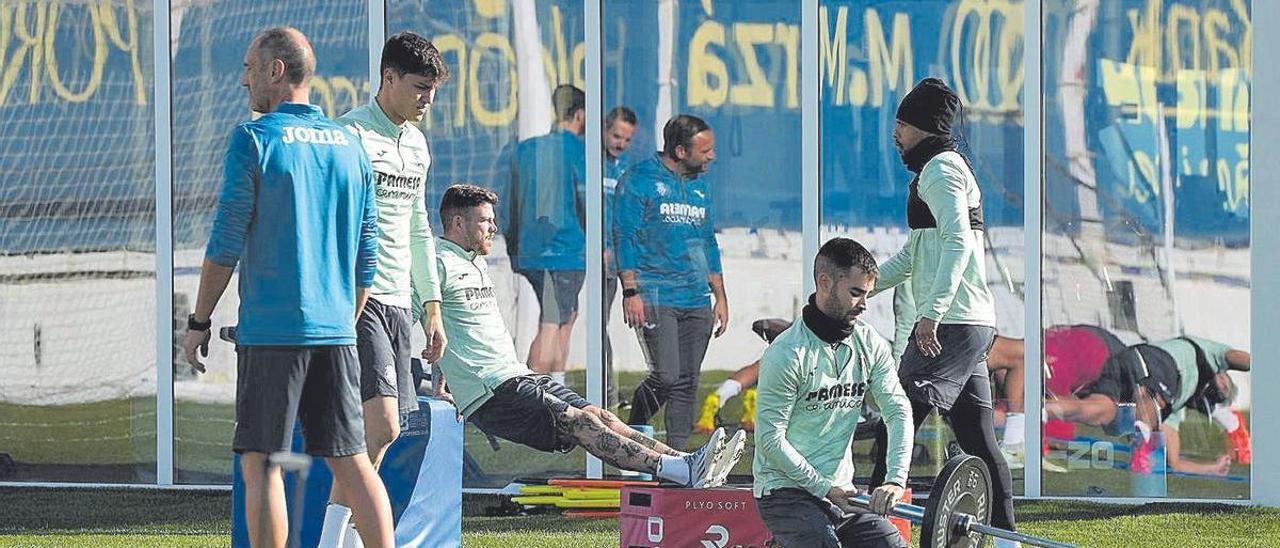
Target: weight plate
(963, 487)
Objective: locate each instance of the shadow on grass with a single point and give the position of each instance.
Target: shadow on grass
(58, 511)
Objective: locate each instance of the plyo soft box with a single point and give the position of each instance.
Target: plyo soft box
(657, 517)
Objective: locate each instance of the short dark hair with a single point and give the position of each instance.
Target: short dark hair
(679, 131)
(568, 100)
(298, 57)
(409, 53)
(842, 254)
(464, 196)
(620, 113)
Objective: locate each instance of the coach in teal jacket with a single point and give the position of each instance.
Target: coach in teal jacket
(669, 264)
(297, 216)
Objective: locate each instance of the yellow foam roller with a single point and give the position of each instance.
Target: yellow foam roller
(580, 494)
(541, 490)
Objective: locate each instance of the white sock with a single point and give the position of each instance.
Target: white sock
(352, 538)
(1228, 419)
(673, 469)
(1014, 425)
(558, 376)
(728, 389)
(336, 518)
(1144, 429)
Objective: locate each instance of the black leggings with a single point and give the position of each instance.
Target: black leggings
(974, 429)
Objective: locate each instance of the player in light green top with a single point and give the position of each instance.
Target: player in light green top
(944, 364)
(412, 68)
(1163, 379)
(1206, 387)
(814, 379)
(503, 397)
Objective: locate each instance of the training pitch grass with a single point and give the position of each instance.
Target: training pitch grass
(115, 517)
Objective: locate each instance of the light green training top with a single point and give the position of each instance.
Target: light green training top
(808, 400)
(480, 354)
(946, 264)
(406, 246)
(1185, 356)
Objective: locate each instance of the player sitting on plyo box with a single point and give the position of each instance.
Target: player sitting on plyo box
(501, 396)
(812, 383)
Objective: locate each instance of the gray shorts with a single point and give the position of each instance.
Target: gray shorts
(384, 339)
(313, 384)
(557, 292)
(940, 381)
(797, 519)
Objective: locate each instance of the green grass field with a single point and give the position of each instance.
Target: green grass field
(120, 518)
(115, 442)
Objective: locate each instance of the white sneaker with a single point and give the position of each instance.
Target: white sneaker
(703, 461)
(1014, 454)
(732, 451)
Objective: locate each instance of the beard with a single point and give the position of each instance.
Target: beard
(691, 168)
(849, 316)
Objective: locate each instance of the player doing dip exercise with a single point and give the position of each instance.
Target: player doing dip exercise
(503, 397)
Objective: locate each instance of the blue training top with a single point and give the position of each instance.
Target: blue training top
(297, 213)
(664, 232)
(613, 170)
(548, 186)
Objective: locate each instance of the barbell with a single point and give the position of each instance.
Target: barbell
(958, 512)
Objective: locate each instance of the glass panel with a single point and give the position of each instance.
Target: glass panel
(493, 124)
(77, 243)
(735, 65)
(209, 42)
(1146, 239)
(872, 54)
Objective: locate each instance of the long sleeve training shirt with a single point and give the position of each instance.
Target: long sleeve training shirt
(946, 263)
(297, 215)
(480, 354)
(665, 233)
(406, 245)
(808, 400)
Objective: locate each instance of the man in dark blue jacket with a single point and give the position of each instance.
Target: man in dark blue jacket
(297, 214)
(669, 264)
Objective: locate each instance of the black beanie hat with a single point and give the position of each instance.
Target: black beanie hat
(930, 106)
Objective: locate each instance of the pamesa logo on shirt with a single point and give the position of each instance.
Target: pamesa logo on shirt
(845, 395)
(315, 136)
(682, 213)
(479, 298)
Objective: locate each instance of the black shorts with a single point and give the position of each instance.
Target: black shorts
(557, 292)
(1123, 372)
(314, 384)
(384, 340)
(940, 381)
(525, 410)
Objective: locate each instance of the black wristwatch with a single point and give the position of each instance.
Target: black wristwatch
(628, 292)
(193, 325)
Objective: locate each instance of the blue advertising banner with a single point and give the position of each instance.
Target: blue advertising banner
(1149, 97)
